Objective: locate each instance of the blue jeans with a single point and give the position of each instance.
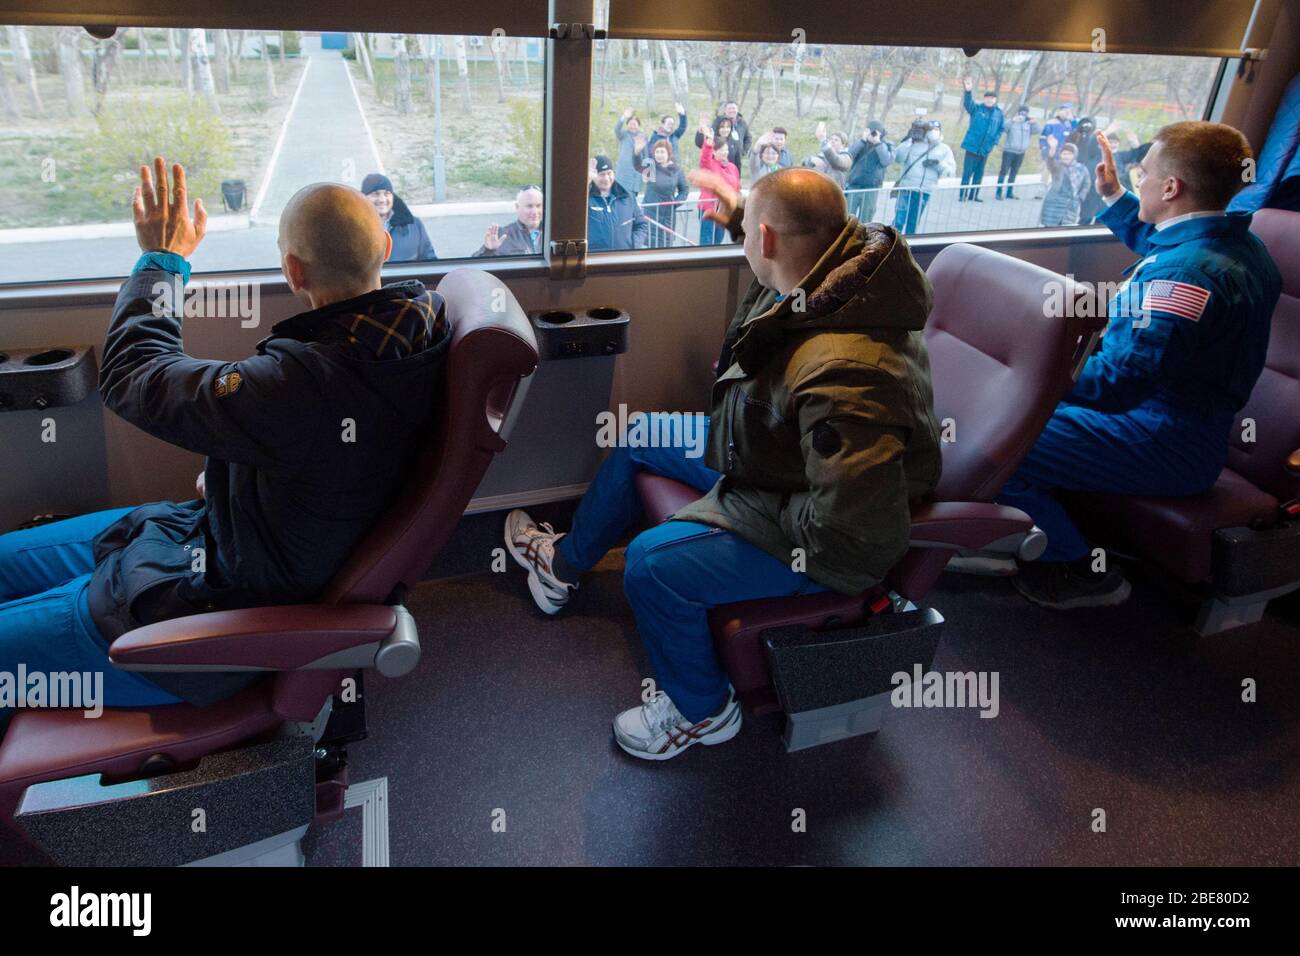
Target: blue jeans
(712, 234)
(45, 620)
(1082, 449)
(676, 571)
(972, 175)
(907, 212)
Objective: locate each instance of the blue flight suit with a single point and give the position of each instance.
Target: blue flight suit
(1153, 408)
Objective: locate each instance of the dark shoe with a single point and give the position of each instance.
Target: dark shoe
(977, 199)
(1060, 585)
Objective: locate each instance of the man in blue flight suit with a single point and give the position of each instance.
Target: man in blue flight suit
(1152, 410)
(307, 441)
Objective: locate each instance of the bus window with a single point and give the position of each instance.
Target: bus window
(922, 138)
(443, 133)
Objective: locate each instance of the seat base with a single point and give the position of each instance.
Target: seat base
(812, 728)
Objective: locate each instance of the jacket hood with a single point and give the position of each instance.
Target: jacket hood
(867, 278)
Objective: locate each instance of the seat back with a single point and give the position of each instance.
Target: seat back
(1001, 357)
(493, 351)
(999, 361)
(1276, 397)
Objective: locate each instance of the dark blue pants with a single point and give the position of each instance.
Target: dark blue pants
(712, 234)
(1008, 172)
(907, 211)
(972, 174)
(45, 621)
(1080, 449)
(675, 572)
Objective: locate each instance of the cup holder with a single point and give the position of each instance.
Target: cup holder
(605, 314)
(49, 357)
(557, 317)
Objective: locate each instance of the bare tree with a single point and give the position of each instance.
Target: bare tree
(402, 70)
(361, 41)
(203, 69)
(498, 46)
(187, 49)
(268, 71)
(68, 42)
(171, 49)
(22, 51)
(648, 72)
(462, 72)
(8, 105)
(223, 60)
(106, 54)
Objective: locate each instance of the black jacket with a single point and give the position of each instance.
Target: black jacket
(869, 164)
(666, 184)
(615, 222)
(307, 441)
(515, 241)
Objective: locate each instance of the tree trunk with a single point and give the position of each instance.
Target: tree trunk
(146, 54)
(498, 44)
(171, 51)
(462, 72)
(203, 69)
(363, 54)
(223, 61)
(425, 43)
(70, 67)
(106, 53)
(798, 81)
(648, 74)
(402, 70)
(268, 71)
(237, 55)
(187, 46)
(282, 36)
(23, 63)
(8, 105)
(523, 59)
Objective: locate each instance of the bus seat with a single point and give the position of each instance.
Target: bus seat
(1234, 540)
(1000, 364)
(359, 623)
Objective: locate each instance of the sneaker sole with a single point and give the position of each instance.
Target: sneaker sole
(721, 736)
(1116, 597)
(536, 587)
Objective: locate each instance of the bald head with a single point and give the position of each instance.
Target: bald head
(799, 202)
(336, 238)
(791, 217)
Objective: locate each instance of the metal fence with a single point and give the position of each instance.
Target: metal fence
(943, 209)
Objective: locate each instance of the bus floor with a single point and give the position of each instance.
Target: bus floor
(1120, 738)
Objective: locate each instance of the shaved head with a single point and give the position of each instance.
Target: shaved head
(791, 218)
(799, 202)
(337, 238)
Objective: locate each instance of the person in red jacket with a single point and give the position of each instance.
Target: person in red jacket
(714, 156)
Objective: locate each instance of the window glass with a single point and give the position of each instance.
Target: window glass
(442, 133)
(894, 126)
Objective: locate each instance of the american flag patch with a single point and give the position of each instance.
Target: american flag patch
(1179, 298)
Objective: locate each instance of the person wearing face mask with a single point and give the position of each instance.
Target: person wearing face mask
(925, 158)
(523, 237)
(410, 239)
(1070, 184)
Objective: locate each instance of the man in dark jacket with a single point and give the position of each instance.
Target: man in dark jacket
(411, 241)
(872, 154)
(523, 237)
(986, 122)
(614, 217)
(821, 433)
(307, 442)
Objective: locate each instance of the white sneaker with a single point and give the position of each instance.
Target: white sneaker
(533, 547)
(658, 731)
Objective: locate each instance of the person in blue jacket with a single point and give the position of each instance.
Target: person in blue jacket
(411, 241)
(614, 217)
(986, 122)
(287, 492)
(1153, 408)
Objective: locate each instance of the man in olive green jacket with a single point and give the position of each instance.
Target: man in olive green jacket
(821, 432)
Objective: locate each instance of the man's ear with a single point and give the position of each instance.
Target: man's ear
(388, 244)
(767, 241)
(1173, 188)
(295, 271)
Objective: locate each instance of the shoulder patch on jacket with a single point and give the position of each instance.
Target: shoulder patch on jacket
(228, 384)
(1179, 298)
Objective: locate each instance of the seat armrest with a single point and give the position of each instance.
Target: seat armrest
(281, 638)
(972, 526)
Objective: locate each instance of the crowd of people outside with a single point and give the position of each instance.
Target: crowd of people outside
(640, 194)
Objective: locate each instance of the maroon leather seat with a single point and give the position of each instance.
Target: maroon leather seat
(309, 647)
(1000, 364)
(1177, 533)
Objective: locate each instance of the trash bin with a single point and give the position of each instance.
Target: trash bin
(232, 193)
